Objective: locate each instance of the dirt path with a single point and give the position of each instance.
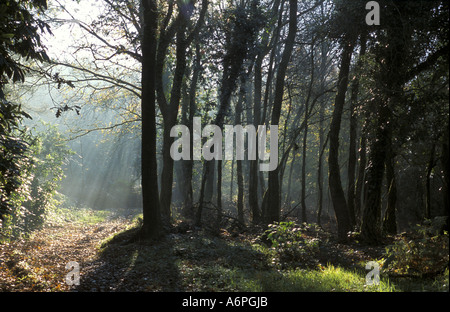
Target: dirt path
(39, 263)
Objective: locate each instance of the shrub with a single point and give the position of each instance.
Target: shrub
(420, 254)
(41, 177)
(290, 244)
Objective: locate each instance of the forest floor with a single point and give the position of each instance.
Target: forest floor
(189, 259)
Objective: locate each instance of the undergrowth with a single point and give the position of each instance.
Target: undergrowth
(196, 261)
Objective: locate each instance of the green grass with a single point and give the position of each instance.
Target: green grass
(197, 261)
(202, 263)
(77, 215)
(328, 279)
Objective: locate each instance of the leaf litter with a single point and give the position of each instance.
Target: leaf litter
(186, 259)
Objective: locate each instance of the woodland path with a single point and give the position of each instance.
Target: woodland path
(39, 262)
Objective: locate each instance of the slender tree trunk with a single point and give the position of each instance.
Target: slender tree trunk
(352, 161)
(320, 167)
(272, 60)
(273, 191)
(289, 186)
(170, 119)
(170, 110)
(188, 165)
(239, 175)
(233, 60)
(323, 65)
(430, 166)
(361, 178)
(151, 211)
(231, 180)
(390, 221)
(167, 170)
(305, 137)
(445, 170)
(352, 154)
(303, 191)
(219, 191)
(337, 193)
(253, 179)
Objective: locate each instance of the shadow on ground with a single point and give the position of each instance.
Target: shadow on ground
(187, 261)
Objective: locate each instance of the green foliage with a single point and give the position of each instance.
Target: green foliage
(283, 234)
(19, 40)
(289, 243)
(420, 255)
(19, 36)
(40, 180)
(49, 155)
(327, 279)
(13, 153)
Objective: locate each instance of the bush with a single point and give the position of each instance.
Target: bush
(419, 254)
(13, 154)
(290, 244)
(41, 178)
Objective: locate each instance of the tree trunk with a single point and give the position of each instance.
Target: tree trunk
(445, 170)
(167, 169)
(337, 193)
(430, 166)
(352, 153)
(303, 192)
(289, 186)
(388, 91)
(320, 168)
(322, 74)
(305, 137)
(370, 228)
(188, 119)
(273, 191)
(219, 191)
(390, 221)
(239, 175)
(170, 119)
(170, 110)
(233, 60)
(253, 178)
(361, 178)
(151, 211)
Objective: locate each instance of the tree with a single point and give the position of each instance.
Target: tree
(348, 21)
(351, 185)
(19, 40)
(401, 39)
(151, 207)
(272, 195)
(337, 193)
(241, 36)
(169, 110)
(263, 47)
